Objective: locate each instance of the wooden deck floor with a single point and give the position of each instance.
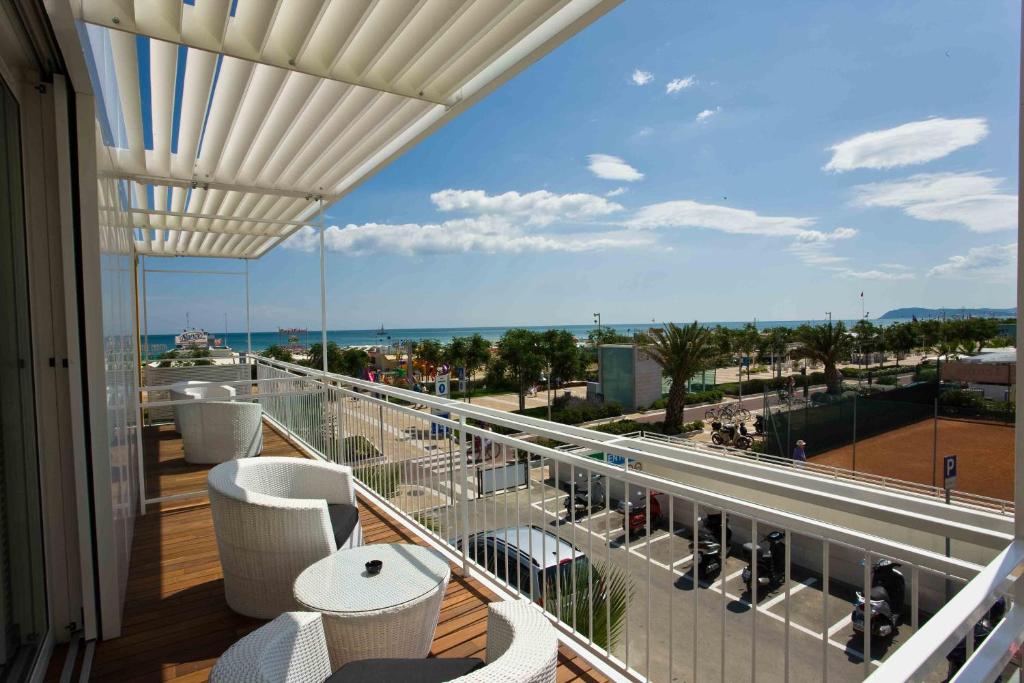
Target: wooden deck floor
(176, 622)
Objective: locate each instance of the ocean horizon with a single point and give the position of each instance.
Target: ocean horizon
(261, 340)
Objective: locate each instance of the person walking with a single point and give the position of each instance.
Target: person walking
(799, 456)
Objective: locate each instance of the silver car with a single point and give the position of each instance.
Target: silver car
(530, 558)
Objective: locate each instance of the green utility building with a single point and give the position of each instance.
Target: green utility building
(627, 375)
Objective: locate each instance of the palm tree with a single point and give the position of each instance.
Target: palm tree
(682, 352)
(826, 344)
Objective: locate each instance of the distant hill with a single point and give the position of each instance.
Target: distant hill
(950, 313)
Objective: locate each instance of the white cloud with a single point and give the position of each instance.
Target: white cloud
(642, 77)
(911, 143)
(707, 114)
(645, 131)
(995, 261)
(616, 192)
(875, 275)
(690, 214)
(816, 248)
(971, 199)
(511, 222)
(612, 168)
(535, 208)
(677, 84)
(486, 234)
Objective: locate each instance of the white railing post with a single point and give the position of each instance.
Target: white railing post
(464, 494)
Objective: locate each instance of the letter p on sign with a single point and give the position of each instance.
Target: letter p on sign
(949, 471)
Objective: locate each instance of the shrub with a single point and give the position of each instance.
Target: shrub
(692, 398)
(384, 479)
(887, 380)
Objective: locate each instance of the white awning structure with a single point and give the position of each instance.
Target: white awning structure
(230, 119)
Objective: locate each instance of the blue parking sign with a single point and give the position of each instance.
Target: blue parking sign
(949, 471)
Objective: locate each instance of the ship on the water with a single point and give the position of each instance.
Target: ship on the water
(194, 339)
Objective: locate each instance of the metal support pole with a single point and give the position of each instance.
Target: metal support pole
(323, 288)
(855, 433)
(935, 441)
(145, 308)
(464, 495)
(248, 325)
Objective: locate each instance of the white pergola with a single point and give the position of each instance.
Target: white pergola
(258, 113)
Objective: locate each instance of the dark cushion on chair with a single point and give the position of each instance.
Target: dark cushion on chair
(343, 520)
(432, 670)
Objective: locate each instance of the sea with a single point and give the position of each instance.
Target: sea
(344, 338)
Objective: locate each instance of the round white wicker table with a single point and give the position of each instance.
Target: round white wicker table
(390, 614)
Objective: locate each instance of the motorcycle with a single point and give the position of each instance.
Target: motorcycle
(759, 425)
(888, 590)
(708, 553)
(634, 512)
(728, 434)
(585, 497)
(958, 655)
(770, 556)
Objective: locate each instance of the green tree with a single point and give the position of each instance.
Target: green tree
(316, 357)
(354, 362)
(522, 353)
(827, 344)
(430, 352)
(900, 339)
(774, 344)
(723, 340)
(606, 335)
(979, 331)
(682, 352)
(478, 352)
(454, 352)
(747, 342)
(562, 356)
(278, 352)
(867, 338)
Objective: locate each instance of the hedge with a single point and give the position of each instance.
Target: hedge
(692, 398)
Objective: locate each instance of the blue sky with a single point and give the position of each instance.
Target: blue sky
(680, 161)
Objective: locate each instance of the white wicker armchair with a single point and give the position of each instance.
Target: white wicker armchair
(522, 646)
(218, 431)
(197, 389)
(273, 517)
(290, 649)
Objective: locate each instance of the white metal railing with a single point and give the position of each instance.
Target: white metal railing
(637, 601)
(1005, 507)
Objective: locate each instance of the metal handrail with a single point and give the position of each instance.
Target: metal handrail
(931, 517)
(370, 406)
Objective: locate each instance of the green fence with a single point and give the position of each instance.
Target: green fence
(854, 417)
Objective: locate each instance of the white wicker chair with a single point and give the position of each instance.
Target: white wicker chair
(271, 519)
(217, 431)
(197, 389)
(522, 646)
(290, 649)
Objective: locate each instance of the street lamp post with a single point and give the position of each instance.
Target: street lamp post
(597, 319)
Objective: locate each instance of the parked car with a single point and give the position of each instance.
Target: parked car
(530, 557)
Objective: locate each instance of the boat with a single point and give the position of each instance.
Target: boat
(194, 339)
(382, 332)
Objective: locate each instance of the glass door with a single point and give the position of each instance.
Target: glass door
(22, 575)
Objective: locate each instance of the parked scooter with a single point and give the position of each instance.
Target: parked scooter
(958, 655)
(585, 497)
(728, 434)
(759, 425)
(888, 590)
(708, 553)
(770, 555)
(634, 512)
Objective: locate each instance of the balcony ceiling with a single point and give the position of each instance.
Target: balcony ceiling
(226, 120)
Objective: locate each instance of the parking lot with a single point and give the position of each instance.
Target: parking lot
(680, 621)
(664, 609)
